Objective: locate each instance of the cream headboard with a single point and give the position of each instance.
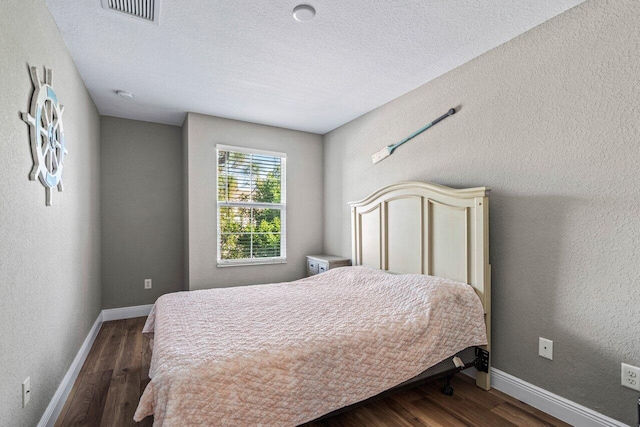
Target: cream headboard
(420, 228)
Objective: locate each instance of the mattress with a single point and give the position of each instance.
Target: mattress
(286, 353)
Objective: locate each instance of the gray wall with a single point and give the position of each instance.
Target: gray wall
(49, 256)
(185, 196)
(304, 199)
(551, 122)
(142, 211)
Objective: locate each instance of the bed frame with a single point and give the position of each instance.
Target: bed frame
(420, 228)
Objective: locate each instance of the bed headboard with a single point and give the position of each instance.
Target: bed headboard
(421, 228)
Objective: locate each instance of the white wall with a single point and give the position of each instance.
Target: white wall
(551, 122)
(49, 255)
(304, 199)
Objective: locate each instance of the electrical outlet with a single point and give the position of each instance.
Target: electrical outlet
(147, 283)
(26, 391)
(630, 376)
(545, 348)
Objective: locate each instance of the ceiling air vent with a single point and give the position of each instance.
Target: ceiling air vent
(143, 9)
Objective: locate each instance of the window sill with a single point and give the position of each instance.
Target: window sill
(246, 262)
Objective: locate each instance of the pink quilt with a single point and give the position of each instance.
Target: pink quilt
(286, 353)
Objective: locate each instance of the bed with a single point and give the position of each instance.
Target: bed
(288, 353)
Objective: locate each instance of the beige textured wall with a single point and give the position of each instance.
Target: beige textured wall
(49, 256)
(304, 199)
(141, 205)
(551, 122)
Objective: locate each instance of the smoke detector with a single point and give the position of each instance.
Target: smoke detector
(148, 10)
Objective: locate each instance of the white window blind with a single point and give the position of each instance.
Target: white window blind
(251, 206)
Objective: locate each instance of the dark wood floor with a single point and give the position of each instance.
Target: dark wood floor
(116, 372)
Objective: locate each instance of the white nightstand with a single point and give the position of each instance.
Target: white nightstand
(320, 263)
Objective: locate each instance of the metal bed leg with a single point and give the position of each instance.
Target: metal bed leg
(447, 389)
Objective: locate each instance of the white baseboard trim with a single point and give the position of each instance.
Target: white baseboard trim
(557, 406)
(126, 312)
(62, 393)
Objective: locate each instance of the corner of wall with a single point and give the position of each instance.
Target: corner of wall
(185, 196)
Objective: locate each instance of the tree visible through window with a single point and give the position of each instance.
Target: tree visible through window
(251, 206)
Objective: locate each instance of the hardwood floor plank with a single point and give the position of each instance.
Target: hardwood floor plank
(122, 400)
(91, 360)
(114, 339)
(530, 409)
(116, 373)
(466, 410)
(402, 413)
(384, 412)
(125, 388)
(367, 418)
(88, 402)
(518, 416)
(72, 394)
(96, 349)
(129, 356)
(345, 419)
(430, 413)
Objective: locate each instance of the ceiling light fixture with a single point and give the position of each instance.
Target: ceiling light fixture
(304, 12)
(124, 94)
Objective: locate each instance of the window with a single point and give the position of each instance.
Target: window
(251, 206)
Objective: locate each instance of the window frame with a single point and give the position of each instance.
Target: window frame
(282, 206)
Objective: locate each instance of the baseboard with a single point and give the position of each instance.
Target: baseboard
(62, 393)
(126, 312)
(557, 406)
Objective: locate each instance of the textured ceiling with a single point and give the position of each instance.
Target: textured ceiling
(250, 60)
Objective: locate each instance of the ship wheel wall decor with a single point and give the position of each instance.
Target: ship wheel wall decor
(47, 134)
